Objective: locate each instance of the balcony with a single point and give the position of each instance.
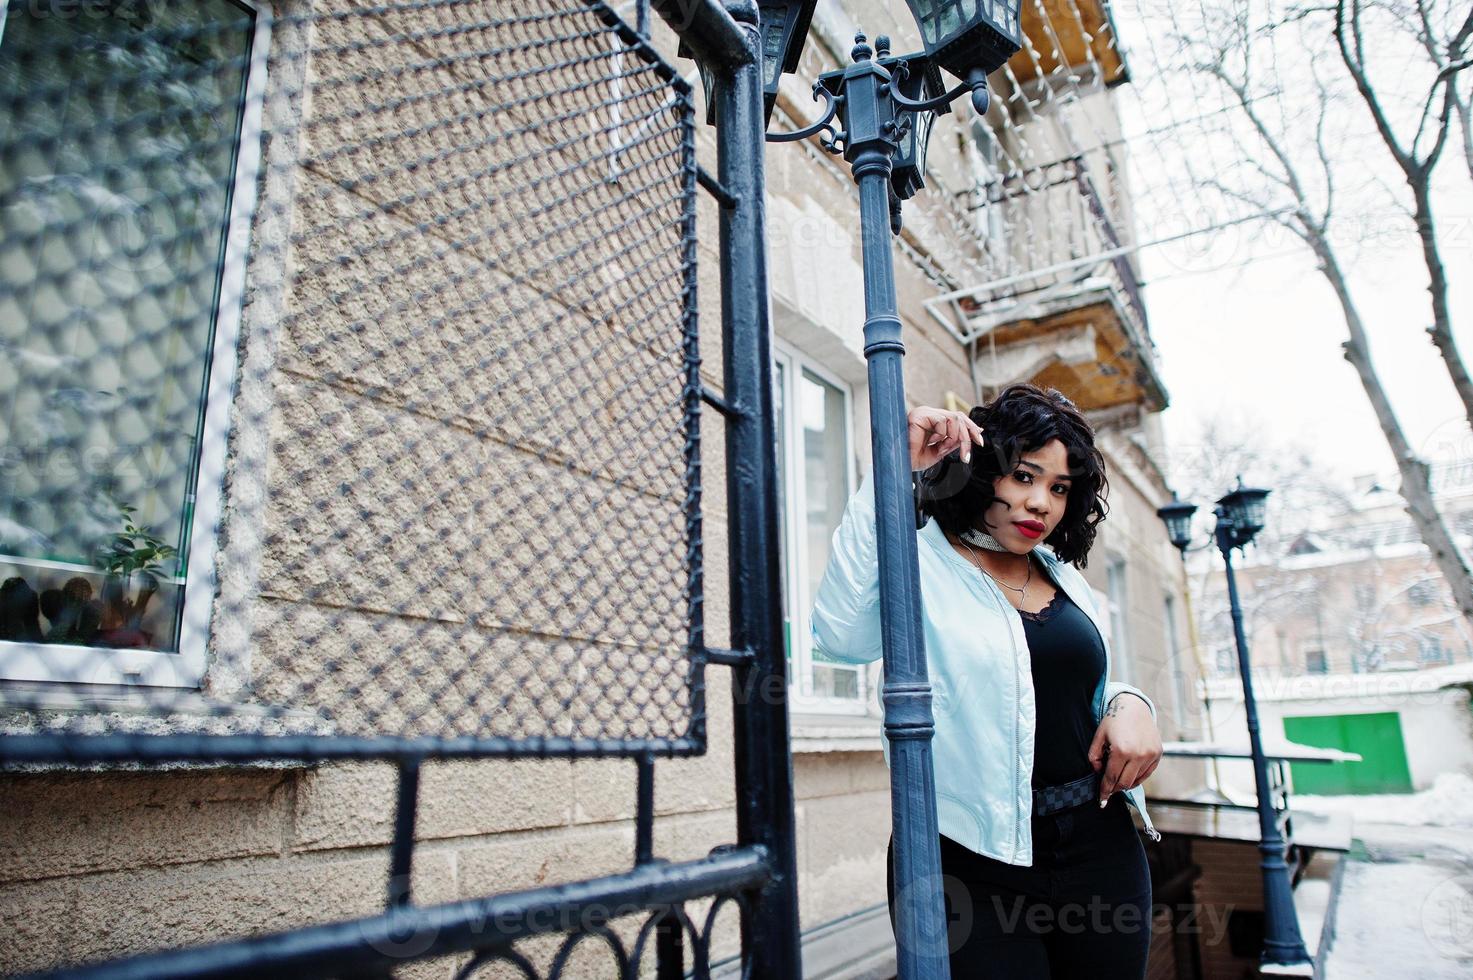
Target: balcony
(1080, 337)
(1066, 310)
(1078, 35)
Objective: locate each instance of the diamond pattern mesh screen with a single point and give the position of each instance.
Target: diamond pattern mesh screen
(347, 374)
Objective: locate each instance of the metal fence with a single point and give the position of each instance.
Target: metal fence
(351, 409)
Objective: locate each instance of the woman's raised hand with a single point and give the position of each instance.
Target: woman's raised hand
(934, 432)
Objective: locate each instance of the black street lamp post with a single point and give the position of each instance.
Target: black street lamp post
(870, 139)
(1240, 516)
(885, 106)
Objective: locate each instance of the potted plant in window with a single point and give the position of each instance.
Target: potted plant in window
(133, 552)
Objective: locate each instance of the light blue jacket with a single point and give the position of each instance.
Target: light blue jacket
(981, 676)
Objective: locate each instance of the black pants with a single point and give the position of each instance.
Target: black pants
(1081, 910)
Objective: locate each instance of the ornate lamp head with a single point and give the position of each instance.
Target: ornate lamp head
(784, 25)
(918, 80)
(1177, 517)
(969, 37)
(1245, 507)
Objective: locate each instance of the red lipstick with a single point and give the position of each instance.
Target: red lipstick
(1029, 529)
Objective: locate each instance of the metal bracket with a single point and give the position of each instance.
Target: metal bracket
(822, 125)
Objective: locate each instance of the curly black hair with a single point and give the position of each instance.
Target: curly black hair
(1020, 420)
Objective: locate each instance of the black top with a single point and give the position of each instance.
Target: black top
(1068, 658)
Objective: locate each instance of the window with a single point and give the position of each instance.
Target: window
(987, 167)
(1432, 650)
(1180, 678)
(1227, 661)
(1423, 592)
(1315, 663)
(1116, 601)
(815, 464)
(131, 141)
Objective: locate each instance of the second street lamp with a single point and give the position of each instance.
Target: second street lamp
(1244, 508)
(1240, 516)
(1178, 518)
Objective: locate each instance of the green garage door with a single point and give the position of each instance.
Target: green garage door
(1376, 737)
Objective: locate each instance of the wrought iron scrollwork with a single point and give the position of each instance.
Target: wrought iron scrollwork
(627, 962)
(976, 84)
(828, 137)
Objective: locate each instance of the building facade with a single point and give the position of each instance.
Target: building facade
(366, 313)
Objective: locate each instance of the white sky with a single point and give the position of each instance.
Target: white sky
(1245, 323)
(1264, 340)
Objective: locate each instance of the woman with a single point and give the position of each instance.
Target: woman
(1035, 750)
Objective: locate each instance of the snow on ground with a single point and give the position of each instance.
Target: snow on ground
(1405, 905)
(1449, 803)
(1401, 920)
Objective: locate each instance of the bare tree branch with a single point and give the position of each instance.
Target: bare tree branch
(1321, 150)
(1449, 60)
(1427, 37)
(1353, 54)
(1312, 229)
(1441, 82)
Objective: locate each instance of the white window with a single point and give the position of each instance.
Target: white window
(816, 468)
(1115, 598)
(129, 145)
(1180, 676)
(1227, 661)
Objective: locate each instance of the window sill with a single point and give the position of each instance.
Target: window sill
(812, 732)
(51, 709)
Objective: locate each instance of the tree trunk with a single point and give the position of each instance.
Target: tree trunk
(1415, 488)
(1442, 326)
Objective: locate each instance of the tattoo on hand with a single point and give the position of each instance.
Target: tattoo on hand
(1112, 709)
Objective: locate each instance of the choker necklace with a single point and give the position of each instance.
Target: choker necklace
(1021, 590)
(982, 539)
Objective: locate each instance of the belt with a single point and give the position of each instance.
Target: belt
(1052, 799)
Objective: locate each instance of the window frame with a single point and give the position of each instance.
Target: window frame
(1117, 602)
(1316, 661)
(185, 667)
(795, 545)
(1227, 661)
(1427, 643)
(1181, 697)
